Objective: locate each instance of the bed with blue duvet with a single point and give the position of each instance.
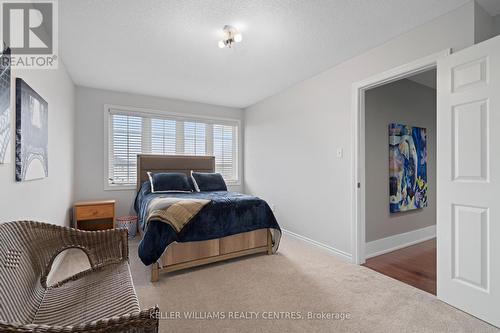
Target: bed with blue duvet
(187, 210)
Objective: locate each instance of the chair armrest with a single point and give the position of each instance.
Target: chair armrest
(102, 247)
(145, 321)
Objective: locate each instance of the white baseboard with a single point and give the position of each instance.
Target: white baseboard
(343, 255)
(396, 242)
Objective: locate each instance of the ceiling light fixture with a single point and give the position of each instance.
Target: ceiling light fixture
(231, 36)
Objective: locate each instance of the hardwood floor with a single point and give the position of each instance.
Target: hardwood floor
(414, 265)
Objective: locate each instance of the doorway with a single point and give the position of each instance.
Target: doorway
(358, 124)
(467, 169)
(361, 249)
(400, 179)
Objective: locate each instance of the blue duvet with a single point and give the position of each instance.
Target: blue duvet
(227, 214)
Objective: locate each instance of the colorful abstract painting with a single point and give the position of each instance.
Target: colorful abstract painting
(407, 167)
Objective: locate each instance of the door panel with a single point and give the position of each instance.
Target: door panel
(470, 245)
(468, 180)
(470, 141)
(469, 74)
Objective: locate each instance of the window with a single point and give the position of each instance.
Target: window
(224, 149)
(136, 132)
(127, 143)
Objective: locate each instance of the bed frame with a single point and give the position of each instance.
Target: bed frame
(191, 254)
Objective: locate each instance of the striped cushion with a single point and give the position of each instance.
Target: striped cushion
(103, 293)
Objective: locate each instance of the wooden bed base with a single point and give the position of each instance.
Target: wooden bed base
(180, 256)
(186, 255)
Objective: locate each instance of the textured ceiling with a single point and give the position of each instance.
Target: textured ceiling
(169, 48)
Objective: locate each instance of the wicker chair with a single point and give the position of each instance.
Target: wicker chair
(100, 299)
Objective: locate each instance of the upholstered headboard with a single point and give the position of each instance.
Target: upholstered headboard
(170, 163)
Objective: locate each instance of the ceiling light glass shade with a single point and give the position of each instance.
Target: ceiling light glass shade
(232, 36)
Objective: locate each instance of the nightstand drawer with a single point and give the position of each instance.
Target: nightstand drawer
(94, 212)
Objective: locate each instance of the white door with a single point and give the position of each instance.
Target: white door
(468, 180)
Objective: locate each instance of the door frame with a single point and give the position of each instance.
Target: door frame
(358, 149)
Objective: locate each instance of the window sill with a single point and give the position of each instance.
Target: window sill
(119, 187)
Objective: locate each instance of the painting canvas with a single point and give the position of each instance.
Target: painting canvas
(5, 112)
(31, 133)
(407, 167)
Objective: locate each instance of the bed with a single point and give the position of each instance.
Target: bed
(232, 225)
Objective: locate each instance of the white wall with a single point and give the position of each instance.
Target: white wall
(48, 199)
(291, 138)
(89, 144)
(402, 102)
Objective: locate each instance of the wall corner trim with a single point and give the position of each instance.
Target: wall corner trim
(396, 242)
(339, 253)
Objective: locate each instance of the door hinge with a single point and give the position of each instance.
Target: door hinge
(359, 185)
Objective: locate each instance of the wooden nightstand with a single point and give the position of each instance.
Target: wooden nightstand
(94, 215)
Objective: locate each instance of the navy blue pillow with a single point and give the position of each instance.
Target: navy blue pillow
(208, 181)
(169, 182)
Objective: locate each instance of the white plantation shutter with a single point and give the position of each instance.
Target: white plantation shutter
(195, 140)
(127, 143)
(133, 133)
(224, 145)
(163, 136)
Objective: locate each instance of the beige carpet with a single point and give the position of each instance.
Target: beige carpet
(300, 278)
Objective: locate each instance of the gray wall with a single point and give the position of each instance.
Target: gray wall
(403, 102)
(484, 27)
(496, 24)
(89, 141)
(48, 199)
(291, 138)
